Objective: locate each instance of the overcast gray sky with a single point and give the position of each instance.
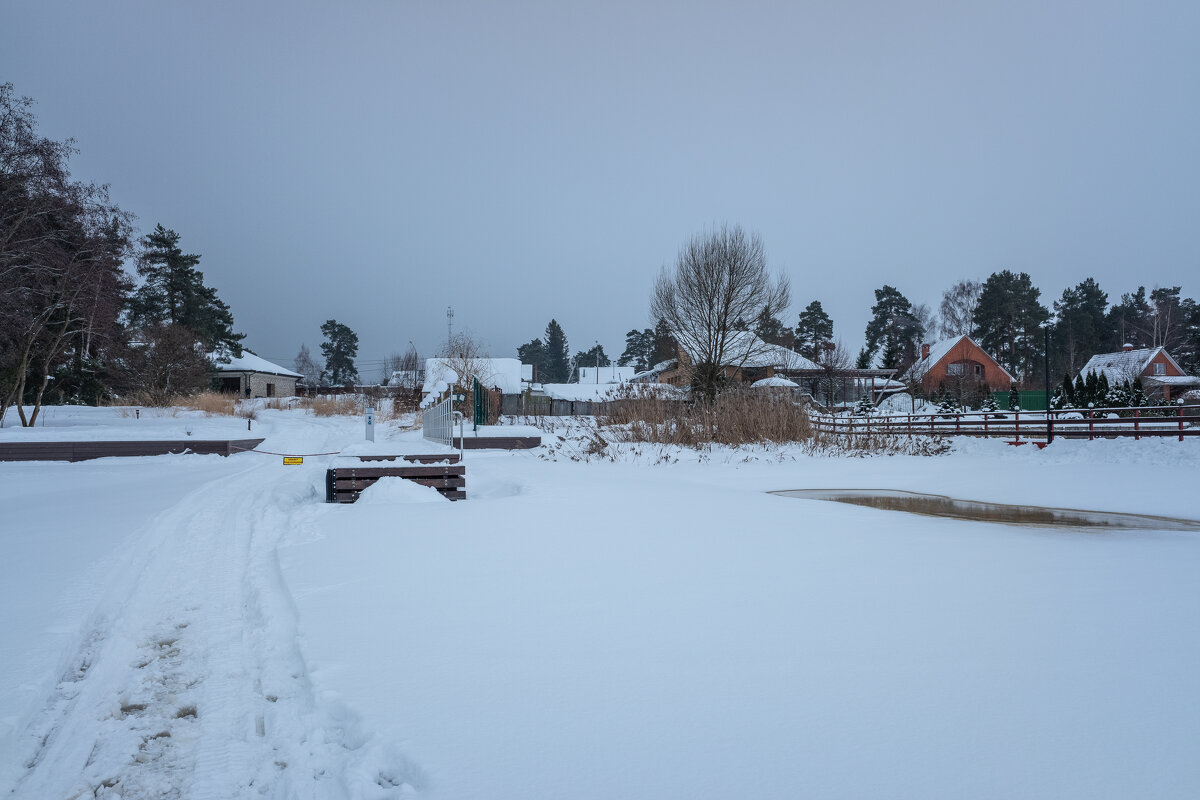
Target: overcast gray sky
(375, 162)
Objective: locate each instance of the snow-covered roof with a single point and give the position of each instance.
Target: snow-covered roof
(767, 383)
(1126, 365)
(939, 350)
(745, 349)
(610, 374)
(651, 375)
(1173, 380)
(506, 373)
(580, 391)
(248, 362)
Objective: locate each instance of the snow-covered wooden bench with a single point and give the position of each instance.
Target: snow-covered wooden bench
(439, 471)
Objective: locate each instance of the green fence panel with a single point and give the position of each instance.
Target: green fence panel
(1031, 399)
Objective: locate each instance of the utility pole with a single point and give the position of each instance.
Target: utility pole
(449, 327)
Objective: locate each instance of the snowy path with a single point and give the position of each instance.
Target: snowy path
(189, 681)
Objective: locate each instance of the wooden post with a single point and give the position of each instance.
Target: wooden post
(1017, 419)
(1180, 407)
(985, 425)
(1091, 424)
(1136, 436)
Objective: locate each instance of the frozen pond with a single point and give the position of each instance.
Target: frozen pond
(937, 505)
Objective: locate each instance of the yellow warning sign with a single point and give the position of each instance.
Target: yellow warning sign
(289, 460)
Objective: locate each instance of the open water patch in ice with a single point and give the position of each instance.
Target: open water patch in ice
(936, 505)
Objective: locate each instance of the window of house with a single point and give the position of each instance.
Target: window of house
(270, 390)
(1160, 368)
(955, 369)
(979, 370)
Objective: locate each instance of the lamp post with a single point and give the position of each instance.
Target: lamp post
(1046, 355)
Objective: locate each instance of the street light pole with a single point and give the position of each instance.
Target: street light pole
(1049, 422)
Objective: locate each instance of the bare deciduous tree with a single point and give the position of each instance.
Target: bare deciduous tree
(958, 308)
(464, 356)
(307, 366)
(835, 362)
(719, 279)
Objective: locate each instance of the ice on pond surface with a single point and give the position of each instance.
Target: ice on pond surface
(937, 505)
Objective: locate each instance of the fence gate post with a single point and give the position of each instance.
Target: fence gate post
(1091, 424)
(1181, 421)
(1136, 436)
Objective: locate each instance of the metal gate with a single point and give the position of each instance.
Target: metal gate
(437, 422)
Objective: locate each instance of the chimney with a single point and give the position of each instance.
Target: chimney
(924, 351)
(1126, 347)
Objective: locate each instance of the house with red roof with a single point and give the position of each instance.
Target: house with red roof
(959, 366)
(1162, 377)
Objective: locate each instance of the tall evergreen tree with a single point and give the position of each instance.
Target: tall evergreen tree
(639, 347)
(772, 331)
(558, 363)
(813, 330)
(1008, 323)
(594, 357)
(534, 353)
(664, 347)
(173, 293)
(1189, 349)
(893, 331)
(1081, 324)
(1130, 321)
(1168, 318)
(340, 348)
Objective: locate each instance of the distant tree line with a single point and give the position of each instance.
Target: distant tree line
(74, 326)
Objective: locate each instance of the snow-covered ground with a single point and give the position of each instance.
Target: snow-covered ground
(645, 623)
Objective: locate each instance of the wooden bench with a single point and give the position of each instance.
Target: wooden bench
(441, 472)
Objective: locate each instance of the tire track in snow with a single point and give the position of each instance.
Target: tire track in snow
(190, 682)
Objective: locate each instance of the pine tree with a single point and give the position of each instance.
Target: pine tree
(173, 293)
(1008, 322)
(864, 407)
(534, 354)
(1130, 321)
(558, 362)
(893, 331)
(339, 349)
(1014, 398)
(772, 331)
(1081, 400)
(1137, 393)
(813, 330)
(1092, 387)
(589, 358)
(1102, 388)
(664, 346)
(989, 404)
(1068, 391)
(639, 347)
(1081, 326)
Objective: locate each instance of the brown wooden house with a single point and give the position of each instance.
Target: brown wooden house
(1162, 377)
(959, 366)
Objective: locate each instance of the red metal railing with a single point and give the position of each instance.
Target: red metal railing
(1147, 421)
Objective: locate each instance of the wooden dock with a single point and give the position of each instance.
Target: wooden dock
(85, 451)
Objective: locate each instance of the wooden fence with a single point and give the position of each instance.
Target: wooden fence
(1149, 421)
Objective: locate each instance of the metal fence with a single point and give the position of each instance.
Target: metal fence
(437, 422)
